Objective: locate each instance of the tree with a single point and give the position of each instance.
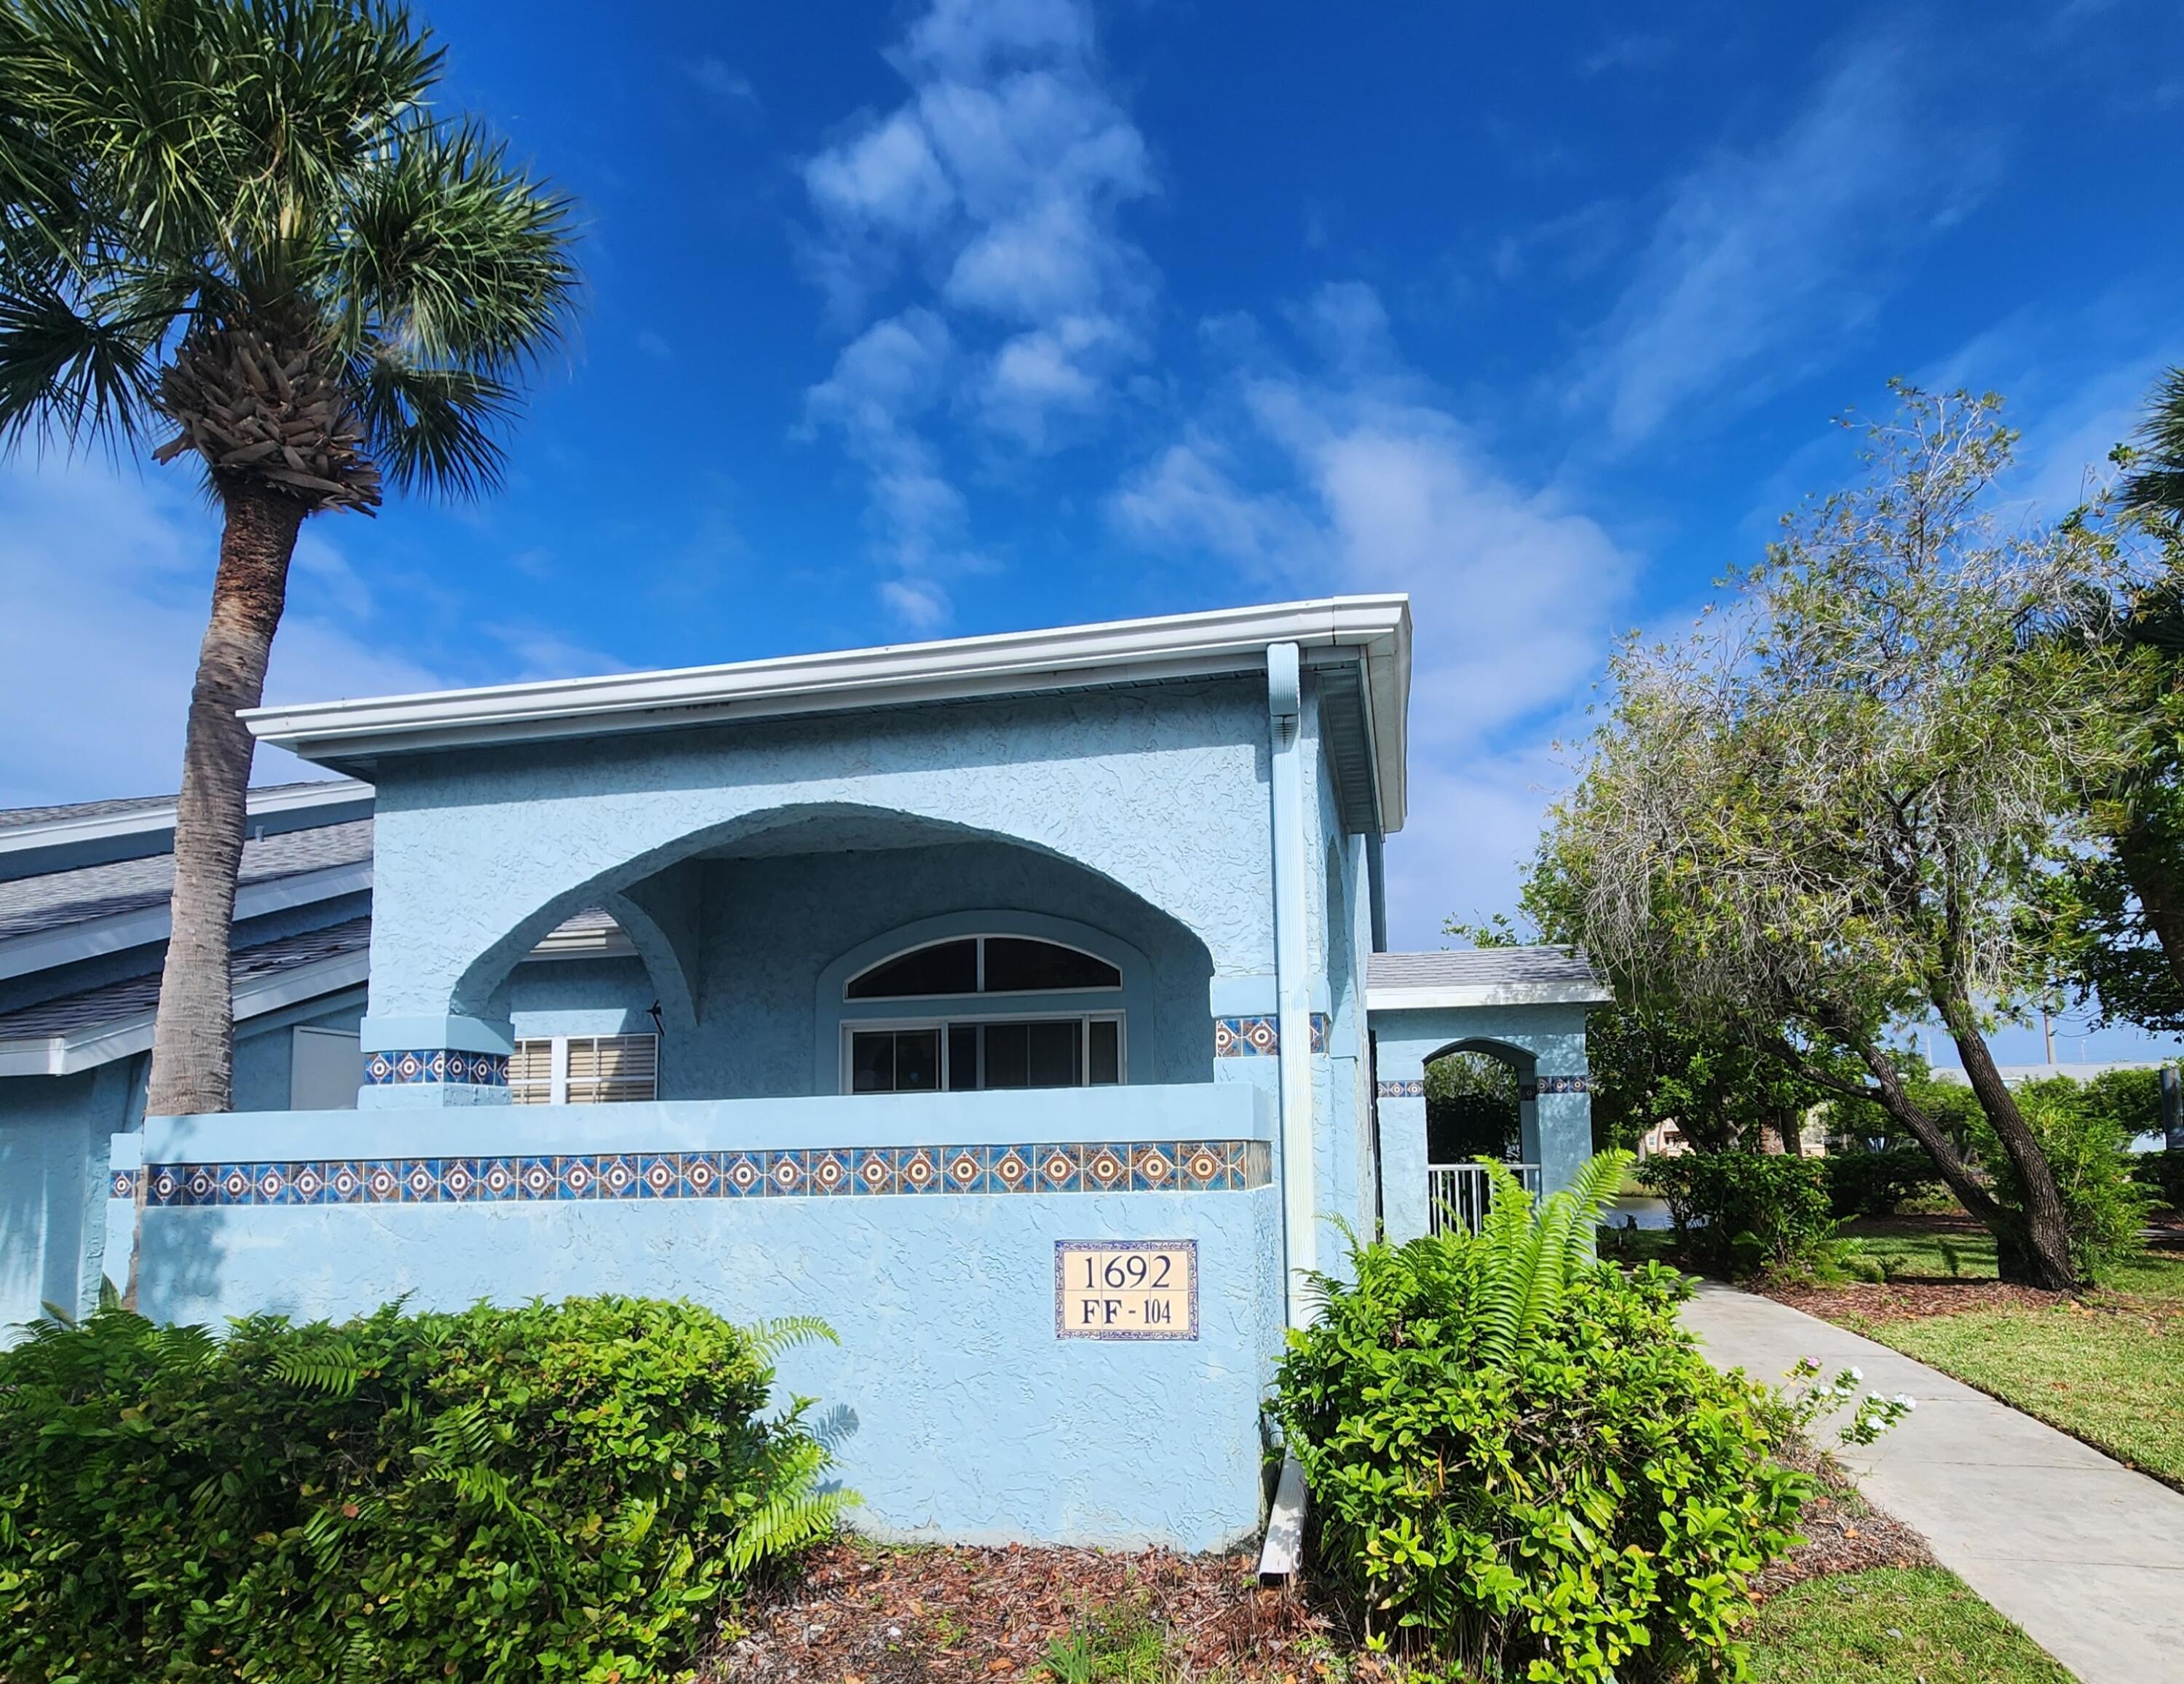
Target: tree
(1653, 1063)
(239, 219)
(2115, 911)
(1821, 818)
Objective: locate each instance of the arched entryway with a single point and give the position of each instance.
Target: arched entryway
(1480, 1098)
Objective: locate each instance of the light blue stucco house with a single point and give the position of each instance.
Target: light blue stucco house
(1018, 1004)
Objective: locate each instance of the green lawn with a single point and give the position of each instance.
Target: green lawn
(2115, 1380)
(2110, 1372)
(1889, 1626)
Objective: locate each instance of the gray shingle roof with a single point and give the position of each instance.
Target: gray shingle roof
(13, 817)
(1482, 967)
(137, 996)
(32, 905)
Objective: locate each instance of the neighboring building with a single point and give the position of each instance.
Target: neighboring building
(1012, 1002)
(83, 932)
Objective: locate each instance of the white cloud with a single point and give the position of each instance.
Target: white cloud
(724, 82)
(996, 185)
(1765, 259)
(1356, 477)
(108, 577)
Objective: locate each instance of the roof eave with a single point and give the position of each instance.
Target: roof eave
(1453, 998)
(123, 1037)
(351, 736)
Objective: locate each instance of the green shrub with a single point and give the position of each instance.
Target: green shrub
(568, 1491)
(1521, 1467)
(1739, 1212)
(2162, 1174)
(1879, 1183)
(2086, 1137)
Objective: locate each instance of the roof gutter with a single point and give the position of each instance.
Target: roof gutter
(353, 736)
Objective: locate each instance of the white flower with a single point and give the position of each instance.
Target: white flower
(1856, 1375)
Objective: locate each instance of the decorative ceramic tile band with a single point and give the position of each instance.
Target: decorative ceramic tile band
(1402, 1089)
(1565, 1085)
(1121, 1167)
(436, 1064)
(1260, 1036)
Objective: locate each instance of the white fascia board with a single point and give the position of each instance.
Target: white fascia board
(59, 834)
(66, 1054)
(23, 954)
(1486, 994)
(350, 734)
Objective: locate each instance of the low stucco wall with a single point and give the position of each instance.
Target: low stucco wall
(954, 1408)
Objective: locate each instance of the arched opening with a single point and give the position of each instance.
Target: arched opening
(1481, 1102)
(767, 943)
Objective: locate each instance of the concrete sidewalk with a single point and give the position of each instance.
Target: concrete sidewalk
(2085, 1555)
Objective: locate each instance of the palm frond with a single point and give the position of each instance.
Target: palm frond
(769, 1339)
(69, 375)
(456, 256)
(431, 429)
(2155, 482)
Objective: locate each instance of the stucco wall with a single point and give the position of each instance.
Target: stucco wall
(765, 1024)
(954, 1409)
(1162, 791)
(1552, 1036)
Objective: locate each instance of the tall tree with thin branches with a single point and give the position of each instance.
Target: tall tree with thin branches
(1825, 816)
(236, 232)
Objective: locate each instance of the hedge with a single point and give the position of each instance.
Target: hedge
(565, 1492)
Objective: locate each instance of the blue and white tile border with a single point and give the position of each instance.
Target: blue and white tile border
(1068, 1167)
(1260, 1036)
(422, 1065)
(1410, 1089)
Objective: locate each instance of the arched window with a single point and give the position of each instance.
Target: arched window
(971, 1045)
(983, 964)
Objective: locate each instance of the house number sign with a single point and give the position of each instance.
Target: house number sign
(1125, 1288)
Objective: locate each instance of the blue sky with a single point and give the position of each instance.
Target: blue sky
(908, 320)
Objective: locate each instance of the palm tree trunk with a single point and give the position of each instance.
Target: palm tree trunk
(192, 1038)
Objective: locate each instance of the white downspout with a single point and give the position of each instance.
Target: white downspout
(1293, 986)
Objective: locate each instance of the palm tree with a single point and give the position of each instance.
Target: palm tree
(238, 224)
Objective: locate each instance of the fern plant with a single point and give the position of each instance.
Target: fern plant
(1526, 1259)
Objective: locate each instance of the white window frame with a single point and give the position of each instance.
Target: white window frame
(557, 1081)
(852, 1027)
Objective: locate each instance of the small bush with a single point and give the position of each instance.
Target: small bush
(1879, 1183)
(2162, 1174)
(567, 1491)
(1520, 1465)
(1739, 1212)
(2086, 1137)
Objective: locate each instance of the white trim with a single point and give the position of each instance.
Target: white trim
(42, 950)
(1456, 997)
(64, 1054)
(59, 834)
(343, 734)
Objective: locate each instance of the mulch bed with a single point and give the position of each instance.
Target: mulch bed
(1908, 1300)
(1843, 1532)
(867, 1614)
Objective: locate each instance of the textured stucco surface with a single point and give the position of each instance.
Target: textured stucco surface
(954, 1408)
(1550, 1039)
(54, 1132)
(1161, 792)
